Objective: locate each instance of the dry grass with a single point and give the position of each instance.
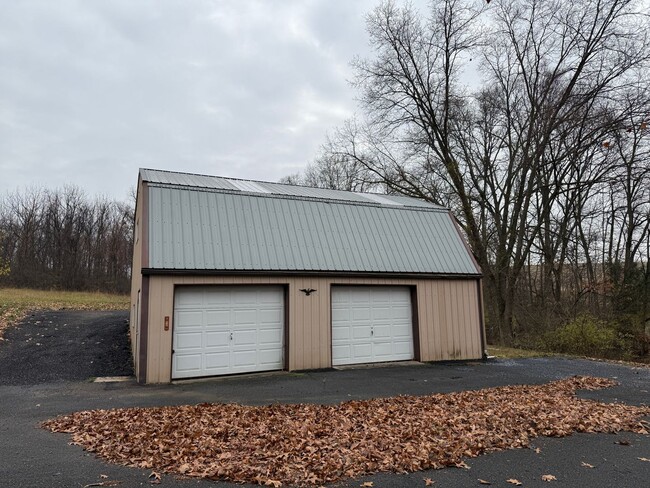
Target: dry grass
(513, 353)
(16, 303)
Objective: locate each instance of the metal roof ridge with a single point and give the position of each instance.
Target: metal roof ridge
(284, 196)
(431, 206)
(260, 181)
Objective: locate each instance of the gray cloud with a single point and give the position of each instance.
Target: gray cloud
(90, 91)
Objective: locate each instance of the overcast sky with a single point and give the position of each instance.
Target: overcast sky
(92, 90)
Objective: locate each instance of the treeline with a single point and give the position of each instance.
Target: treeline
(545, 162)
(62, 239)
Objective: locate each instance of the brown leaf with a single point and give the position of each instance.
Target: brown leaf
(483, 482)
(274, 483)
(537, 450)
(103, 476)
(586, 465)
(366, 484)
(428, 481)
(548, 477)
(514, 481)
(644, 459)
(623, 442)
(154, 478)
(462, 464)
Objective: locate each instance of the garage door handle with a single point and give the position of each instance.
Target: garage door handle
(231, 336)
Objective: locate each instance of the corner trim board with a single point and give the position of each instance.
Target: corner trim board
(481, 318)
(144, 226)
(415, 323)
(144, 332)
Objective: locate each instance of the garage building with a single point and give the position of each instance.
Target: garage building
(235, 276)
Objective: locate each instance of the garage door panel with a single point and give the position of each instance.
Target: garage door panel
(246, 297)
(270, 337)
(340, 334)
(270, 297)
(341, 353)
(217, 318)
(216, 299)
(380, 297)
(401, 312)
(382, 349)
(227, 330)
(403, 349)
(268, 359)
(382, 331)
(247, 317)
(244, 358)
(362, 352)
(270, 316)
(190, 340)
(402, 331)
(217, 361)
(359, 295)
(246, 337)
(380, 312)
(361, 332)
(361, 313)
(371, 324)
(340, 314)
(216, 339)
(189, 319)
(188, 364)
(194, 300)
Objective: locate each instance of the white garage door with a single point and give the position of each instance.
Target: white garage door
(221, 330)
(371, 324)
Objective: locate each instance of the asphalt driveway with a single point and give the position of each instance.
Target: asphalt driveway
(66, 346)
(55, 378)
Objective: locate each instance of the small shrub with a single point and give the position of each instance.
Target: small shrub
(584, 336)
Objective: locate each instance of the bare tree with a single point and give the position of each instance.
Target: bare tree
(518, 158)
(336, 171)
(62, 239)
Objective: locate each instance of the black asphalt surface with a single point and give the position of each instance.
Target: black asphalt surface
(38, 382)
(66, 346)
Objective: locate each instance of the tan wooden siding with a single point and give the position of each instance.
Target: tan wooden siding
(448, 317)
(449, 320)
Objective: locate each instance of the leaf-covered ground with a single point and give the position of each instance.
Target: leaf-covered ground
(315, 444)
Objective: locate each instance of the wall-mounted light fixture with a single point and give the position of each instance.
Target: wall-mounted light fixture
(307, 291)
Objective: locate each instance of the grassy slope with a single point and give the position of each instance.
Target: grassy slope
(15, 303)
(512, 353)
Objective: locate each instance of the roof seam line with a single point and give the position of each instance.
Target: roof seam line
(298, 197)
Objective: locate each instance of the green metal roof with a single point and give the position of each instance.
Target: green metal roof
(208, 223)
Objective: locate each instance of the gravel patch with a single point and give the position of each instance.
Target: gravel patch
(66, 346)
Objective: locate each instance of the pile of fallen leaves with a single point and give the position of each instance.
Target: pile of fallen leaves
(313, 444)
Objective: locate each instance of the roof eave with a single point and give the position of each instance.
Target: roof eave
(321, 273)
